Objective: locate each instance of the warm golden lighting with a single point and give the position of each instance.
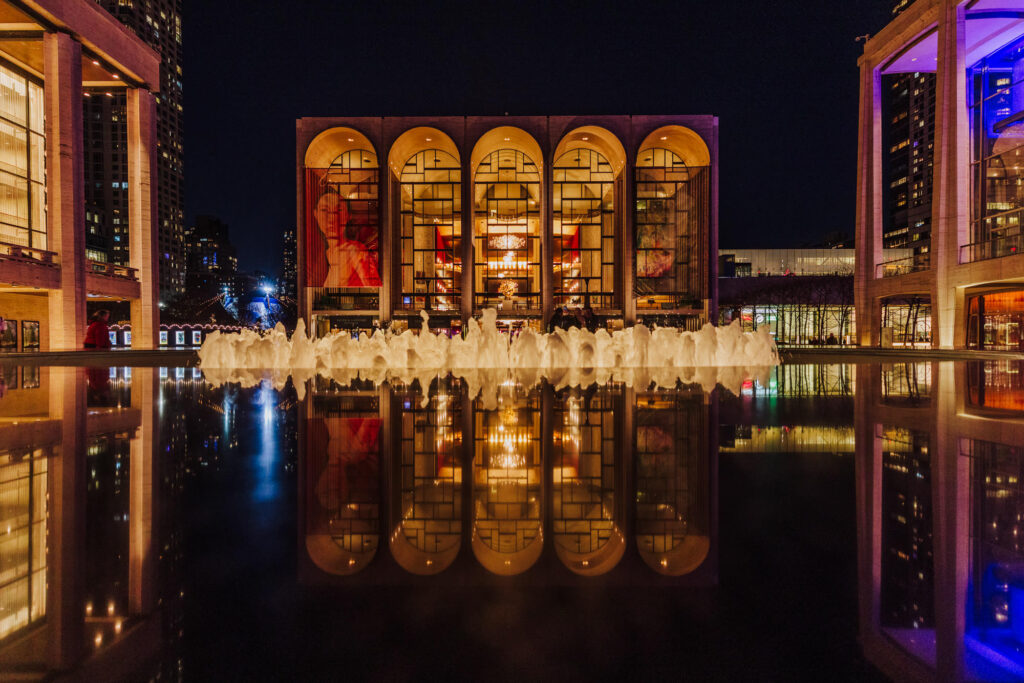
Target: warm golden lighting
(98, 640)
(117, 626)
(110, 608)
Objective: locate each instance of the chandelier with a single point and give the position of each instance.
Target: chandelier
(506, 242)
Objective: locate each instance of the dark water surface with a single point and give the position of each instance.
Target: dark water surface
(826, 522)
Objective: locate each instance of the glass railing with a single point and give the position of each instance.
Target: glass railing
(994, 248)
(903, 266)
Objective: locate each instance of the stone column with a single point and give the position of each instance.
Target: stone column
(950, 199)
(144, 486)
(627, 255)
(65, 200)
(142, 217)
(547, 241)
(66, 543)
(869, 205)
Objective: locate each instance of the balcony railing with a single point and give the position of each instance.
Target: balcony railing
(904, 266)
(990, 249)
(14, 252)
(111, 270)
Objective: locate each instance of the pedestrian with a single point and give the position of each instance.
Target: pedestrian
(556, 320)
(98, 334)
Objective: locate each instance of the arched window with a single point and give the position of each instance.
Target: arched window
(672, 218)
(342, 201)
(431, 233)
(507, 232)
(584, 229)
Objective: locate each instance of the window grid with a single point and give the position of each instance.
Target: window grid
(507, 235)
(584, 229)
(431, 239)
(23, 494)
(22, 161)
(671, 227)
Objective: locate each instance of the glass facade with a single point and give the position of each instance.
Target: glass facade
(907, 322)
(671, 222)
(23, 514)
(431, 237)
(798, 324)
(506, 234)
(996, 102)
(22, 161)
(584, 230)
(996, 321)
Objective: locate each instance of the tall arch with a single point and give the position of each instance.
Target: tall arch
(426, 163)
(507, 224)
(672, 222)
(342, 242)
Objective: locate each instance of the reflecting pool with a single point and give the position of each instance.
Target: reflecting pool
(833, 522)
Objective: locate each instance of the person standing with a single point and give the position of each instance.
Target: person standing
(98, 334)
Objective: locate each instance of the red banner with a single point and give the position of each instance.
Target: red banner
(342, 228)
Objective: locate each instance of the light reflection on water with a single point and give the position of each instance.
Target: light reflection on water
(388, 484)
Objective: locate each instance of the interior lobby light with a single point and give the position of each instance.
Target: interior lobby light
(507, 242)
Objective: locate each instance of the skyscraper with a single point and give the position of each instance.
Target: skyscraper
(158, 23)
(288, 283)
(908, 138)
(212, 266)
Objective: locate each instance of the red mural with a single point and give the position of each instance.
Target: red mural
(342, 228)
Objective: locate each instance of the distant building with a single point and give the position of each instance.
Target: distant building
(212, 264)
(288, 282)
(158, 23)
(804, 296)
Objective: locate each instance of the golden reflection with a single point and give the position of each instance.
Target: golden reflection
(507, 483)
(673, 506)
(344, 515)
(588, 535)
(427, 536)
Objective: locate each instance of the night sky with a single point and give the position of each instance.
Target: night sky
(781, 76)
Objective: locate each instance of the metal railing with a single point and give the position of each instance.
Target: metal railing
(904, 266)
(15, 252)
(990, 249)
(111, 270)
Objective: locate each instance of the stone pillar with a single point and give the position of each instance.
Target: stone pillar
(65, 569)
(628, 253)
(547, 242)
(142, 217)
(712, 242)
(950, 199)
(144, 485)
(468, 250)
(869, 205)
(65, 200)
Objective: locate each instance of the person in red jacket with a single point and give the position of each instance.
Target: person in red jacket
(98, 334)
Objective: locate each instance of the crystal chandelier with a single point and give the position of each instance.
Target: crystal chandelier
(506, 242)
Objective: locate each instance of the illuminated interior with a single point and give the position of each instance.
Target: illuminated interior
(996, 321)
(430, 184)
(507, 222)
(672, 221)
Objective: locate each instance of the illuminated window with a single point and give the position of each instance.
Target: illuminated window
(672, 207)
(22, 161)
(584, 229)
(506, 232)
(431, 239)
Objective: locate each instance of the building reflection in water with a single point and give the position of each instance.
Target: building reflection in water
(940, 456)
(77, 510)
(550, 473)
